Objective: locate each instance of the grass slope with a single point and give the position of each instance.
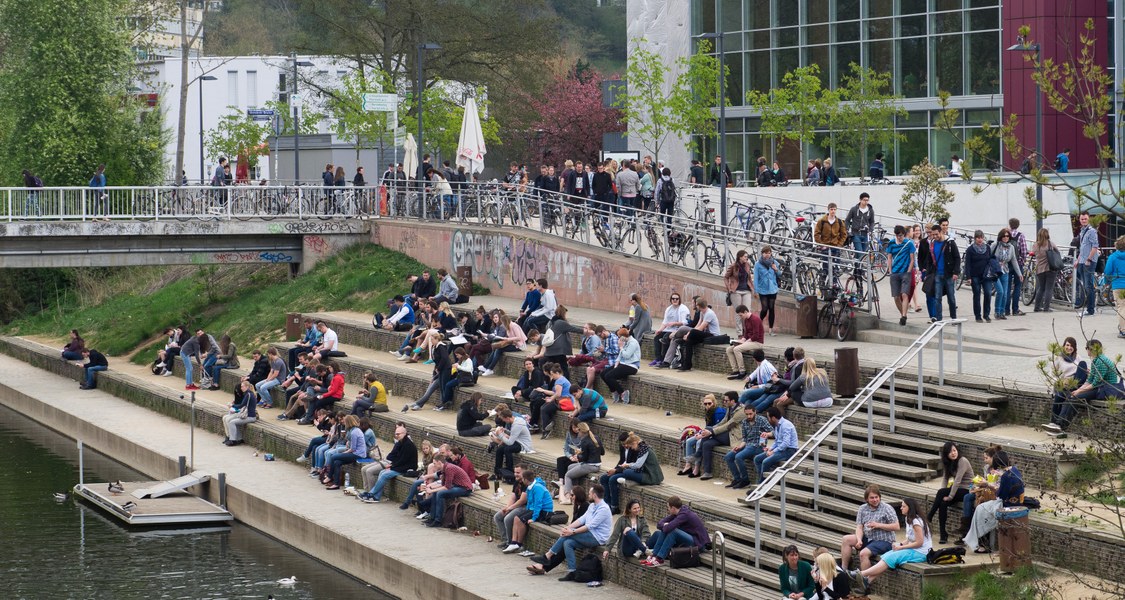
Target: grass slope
(247, 303)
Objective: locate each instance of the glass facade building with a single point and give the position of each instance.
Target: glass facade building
(957, 46)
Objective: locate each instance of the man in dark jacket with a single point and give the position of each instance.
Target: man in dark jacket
(423, 288)
(682, 527)
(940, 262)
(95, 362)
(403, 457)
(977, 257)
(602, 186)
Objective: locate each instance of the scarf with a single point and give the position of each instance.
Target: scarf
(766, 262)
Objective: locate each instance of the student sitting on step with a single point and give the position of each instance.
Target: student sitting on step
(469, 417)
(643, 470)
(373, 398)
(913, 550)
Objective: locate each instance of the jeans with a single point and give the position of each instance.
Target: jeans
(609, 482)
(1086, 278)
(92, 375)
(707, 449)
(232, 422)
(68, 355)
(506, 457)
(943, 286)
(631, 543)
(859, 242)
(313, 445)
(1062, 410)
(968, 504)
(764, 464)
(504, 523)
(441, 497)
(337, 463)
(187, 369)
(1014, 295)
(1002, 294)
(625, 205)
(765, 402)
(494, 357)
(662, 543)
(385, 476)
(435, 385)
(588, 415)
(208, 362)
(749, 395)
(449, 389)
(413, 493)
(982, 297)
(217, 371)
(264, 388)
(736, 461)
(827, 264)
(615, 378)
(571, 543)
(1044, 290)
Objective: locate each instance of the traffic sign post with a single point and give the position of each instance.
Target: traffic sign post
(260, 114)
(380, 102)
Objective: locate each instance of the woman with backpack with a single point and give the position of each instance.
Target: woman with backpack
(1044, 275)
(977, 257)
(1005, 254)
(666, 195)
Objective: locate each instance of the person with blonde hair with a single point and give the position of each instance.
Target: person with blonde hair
(810, 389)
(832, 583)
(585, 460)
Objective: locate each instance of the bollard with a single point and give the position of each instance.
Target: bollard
(223, 490)
(183, 466)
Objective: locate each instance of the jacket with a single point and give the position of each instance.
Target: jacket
(805, 583)
(927, 263)
(976, 260)
(688, 522)
(562, 345)
(831, 234)
(765, 279)
(732, 420)
(403, 456)
(539, 499)
(858, 223)
(619, 530)
(730, 277)
(469, 417)
(1115, 269)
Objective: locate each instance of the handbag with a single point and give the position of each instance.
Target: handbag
(729, 301)
(684, 557)
(558, 517)
(1054, 259)
(548, 338)
(928, 284)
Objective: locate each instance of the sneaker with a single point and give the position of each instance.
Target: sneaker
(370, 500)
(487, 373)
(428, 361)
(654, 363)
(616, 398)
(440, 408)
(191, 386)
(160, 365)
(166, 374)
(509, 396)
(902, 321)
(512, 548)
(662, 365)
(987, 320)
(653, 562)
(639, 554)
(415, 407)
(302, 459)
(980, 320)
(933, 319)
(527, 553)
(402, 357)
(625, 397)
(423, 516)
(735, 375)
(481, 368)
(396, 353)
(1052, 426)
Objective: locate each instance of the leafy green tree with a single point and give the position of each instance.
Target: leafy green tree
(794, 111)
(237, 135)
(443, 117)
(694, 94)
(65, 104)
(644, 102)
(352, 122)
(924, 196)
(310, 119)
(865, 115)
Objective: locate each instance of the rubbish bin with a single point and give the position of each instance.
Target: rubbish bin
(1015, 538)
(464, 277)
(806, 317)
(846, 371)
(293, 327)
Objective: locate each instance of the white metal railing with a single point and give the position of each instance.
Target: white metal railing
(718, 566)
(811, 446)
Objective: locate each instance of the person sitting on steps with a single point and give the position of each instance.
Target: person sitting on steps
(875, 527)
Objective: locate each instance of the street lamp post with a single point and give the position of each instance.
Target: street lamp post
(294, 100)
(202, 174)
(418, 92)
(1021, 45)
(722, 150)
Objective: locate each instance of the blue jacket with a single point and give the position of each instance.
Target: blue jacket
(539, 499)
(1115, 270)
(765, 280)
(532, 300)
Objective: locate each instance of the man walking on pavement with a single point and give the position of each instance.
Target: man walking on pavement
(941, 263)
(1019, 244)
(1087, 259)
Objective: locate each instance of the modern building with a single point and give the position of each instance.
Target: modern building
(959, 46)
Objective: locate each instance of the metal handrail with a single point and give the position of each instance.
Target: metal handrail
(836, 424)
(719, 567)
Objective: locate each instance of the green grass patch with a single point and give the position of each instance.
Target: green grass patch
(1089, 471)
(248, 303)
(1021, 585)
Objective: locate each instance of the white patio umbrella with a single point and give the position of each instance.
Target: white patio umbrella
(410, 158)
(471, 148)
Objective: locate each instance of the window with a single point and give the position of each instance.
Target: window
(788, 36)
(787, 60)
(759, 15)
(845, 55)
(760, 71)
(949, 64)
(817, 11)
(847, 10)
(947, 22)
(252, 89)
(732, 15)
(983, 64)
(910, 7)
(912, 61)
(816, 34)
(734, 89)
(232, 88)
(787, 15)
(880, 8)
(878, 29)
(989, 19)
(847, 32)
(881, 56)
(819, 56)
(911, 150)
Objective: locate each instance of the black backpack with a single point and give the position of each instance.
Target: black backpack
(954, 555)
(667, 192)
(589, 569)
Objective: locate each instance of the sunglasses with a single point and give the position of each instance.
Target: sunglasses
(675, 298)
(708, 404)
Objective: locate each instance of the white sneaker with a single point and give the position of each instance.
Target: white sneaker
(166, 374)
(481, 368)
(302, 459)
(401, 357)
(487, 372)
(625, 397)
(527, 553)
(423, 516)
(395, 353)
(512, 548)
(160, 365)
(509, 396)
(1052, 427)
(639, 554)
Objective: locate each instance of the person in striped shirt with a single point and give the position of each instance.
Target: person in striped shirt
(1103, 381)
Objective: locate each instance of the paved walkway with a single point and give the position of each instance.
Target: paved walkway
(470, 561)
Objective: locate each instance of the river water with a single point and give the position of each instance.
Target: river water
(55, 550)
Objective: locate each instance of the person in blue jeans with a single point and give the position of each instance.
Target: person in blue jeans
(748, 449)
(455, 483)
(588, 531)
(95, 363)
(784, 446)
(680, 528)
(632, 471)
(1087, 259)
(403, 457)
(941, 262)
(631, 529)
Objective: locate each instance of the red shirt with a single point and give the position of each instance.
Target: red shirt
(453, 476)
(467, 466)
(752, 329)
(336, 387)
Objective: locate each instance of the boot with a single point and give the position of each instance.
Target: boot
(966, 522)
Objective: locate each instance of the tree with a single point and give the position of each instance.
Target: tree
(643, 99)
(443, 116)
(65, 104)
(363, 127)
(694, 94)
(865, 114)
(924, 196)
(188, 40)
(569, 118)
(238, 135)
(794, 111)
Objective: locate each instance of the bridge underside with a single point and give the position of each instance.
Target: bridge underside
(147, 250)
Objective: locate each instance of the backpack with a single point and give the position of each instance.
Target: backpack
(953, 555)
(992, 271)
(454, 515)
(589, 569)
(667, 192)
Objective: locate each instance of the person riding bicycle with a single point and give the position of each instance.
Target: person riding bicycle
(861, 222)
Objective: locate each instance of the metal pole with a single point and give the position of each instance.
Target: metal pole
(192, 449)
(783, 506)
(722, 122)
(418, 104)
(816, 473)
(758, 534)
(892, 382)
(940, 357)
(81, 463)
(960, 339)
(870, 425)
(294, 100)
(840, 455)
(202, 175)
(1039, 143)
(921, 351)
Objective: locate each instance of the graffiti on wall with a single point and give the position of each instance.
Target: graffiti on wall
(227, 258)
(486, 253)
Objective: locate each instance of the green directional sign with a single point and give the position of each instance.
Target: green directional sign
(380, 102)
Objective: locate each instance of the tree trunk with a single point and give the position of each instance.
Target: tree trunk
(185, 45)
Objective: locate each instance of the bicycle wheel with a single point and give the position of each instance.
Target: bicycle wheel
(1079, 294)
(824, 321)
(654, 242)
(853, 286)
(491, 215)
(807, 277)
(1027, 292)
(1105, 295)
(880, 266)
(844, 323)
(784, 278)
(802, 237)
(602, 232)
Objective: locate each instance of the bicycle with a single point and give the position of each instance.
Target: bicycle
(837, 316)
(748, 218)
(876, 255)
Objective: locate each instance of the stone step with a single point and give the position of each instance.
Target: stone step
(933, 404)
(906, 414)
(929, 460)
(908, 384)
(906, 339)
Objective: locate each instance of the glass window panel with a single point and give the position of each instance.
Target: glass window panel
(759, 17)
(845, 55)
(912, 27)
(911, 150)
(847, 32)
(731, 43)
(912, 61)
(847, 9)
(914, 119)
(816, 34)
(760, 71)
(945, 145)
(880, 8)
(979, 117)
(818, 12)
(880, 56)
(786, 15)
(981, 3)
(947, 4)
(759, 40)
(705, 23)
(910, 7)
(878, 29)
(756, 149)
(734, 125)
(983, 64)
(732, 15)
(985, 19)
(786, 60)
(819, 56)
(949, 64)
(788, 36)
(947, 22)
(734, 88)
(735, 153)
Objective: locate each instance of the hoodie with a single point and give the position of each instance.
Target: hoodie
(539, 499)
